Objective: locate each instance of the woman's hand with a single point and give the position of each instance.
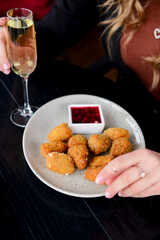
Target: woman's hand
(135, 174)
(4, 61)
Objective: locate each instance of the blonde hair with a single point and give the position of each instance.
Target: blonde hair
(127, 13)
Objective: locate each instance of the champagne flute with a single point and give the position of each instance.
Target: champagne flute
(22, 54)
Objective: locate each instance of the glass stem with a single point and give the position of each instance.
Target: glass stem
(27, 109)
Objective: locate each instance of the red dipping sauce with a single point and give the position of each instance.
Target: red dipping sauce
(86, 114)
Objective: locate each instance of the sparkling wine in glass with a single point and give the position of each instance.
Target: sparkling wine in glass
(22, 54)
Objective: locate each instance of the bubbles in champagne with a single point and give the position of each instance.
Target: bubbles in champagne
(22, 46)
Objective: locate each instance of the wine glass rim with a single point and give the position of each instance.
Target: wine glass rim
(30, 15)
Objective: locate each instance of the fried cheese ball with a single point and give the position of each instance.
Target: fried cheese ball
(120, 146)
(79, 154)
(77, 140)
(114, 133)
(92, 172)
(99, 143)
(101, 161)
(60, 163)
(47, 148)
(60, 133)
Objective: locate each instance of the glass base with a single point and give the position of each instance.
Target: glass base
(20, 117)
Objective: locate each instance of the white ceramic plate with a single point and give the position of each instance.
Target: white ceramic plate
(54, 113)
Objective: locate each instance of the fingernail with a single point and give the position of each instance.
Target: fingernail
(107, 183)
(108, 195)
(7, 71)
(119, 194)
(99, 180)
(5, 66)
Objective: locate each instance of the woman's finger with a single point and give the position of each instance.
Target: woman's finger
(126, 178)
(110, 180)
(146, 186)
(3, 21)
(118, 165)
(4, 61)
(151, 191)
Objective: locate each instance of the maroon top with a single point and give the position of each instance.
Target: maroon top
(144, 44)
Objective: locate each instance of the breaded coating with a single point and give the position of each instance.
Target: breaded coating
(92, 172)
(120, 146)
(114, 133)
(99, 143)
(77, 140)
(47, 148)
(79, 154)
(101, 161)
(60, 163)
(60, 133)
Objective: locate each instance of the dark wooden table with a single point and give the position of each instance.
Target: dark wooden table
(30, 210)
